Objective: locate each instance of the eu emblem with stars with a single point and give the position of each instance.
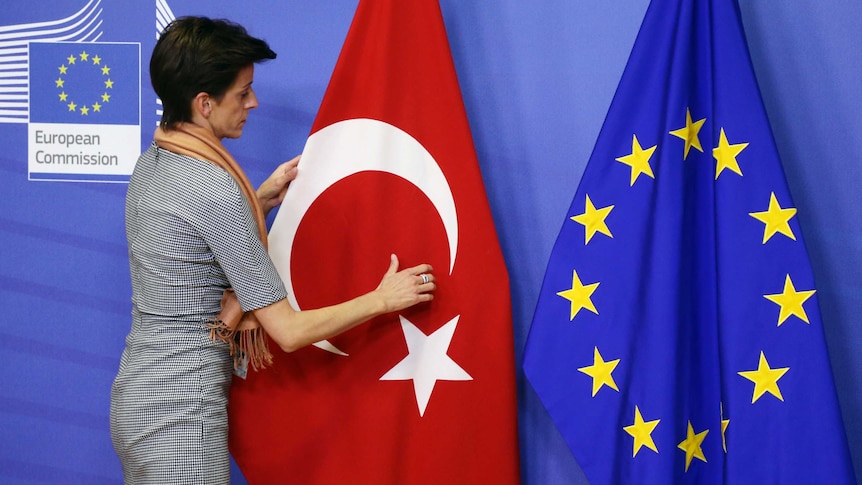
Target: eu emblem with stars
(677, 336)
(84, 111)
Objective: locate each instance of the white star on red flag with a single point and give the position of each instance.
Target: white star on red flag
(427, 361)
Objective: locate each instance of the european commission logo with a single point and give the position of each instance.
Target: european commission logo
(84, 121)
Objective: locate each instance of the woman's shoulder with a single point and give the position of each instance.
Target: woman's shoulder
(183, 182)
(194, 174)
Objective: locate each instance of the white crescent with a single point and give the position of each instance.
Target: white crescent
(344, 149)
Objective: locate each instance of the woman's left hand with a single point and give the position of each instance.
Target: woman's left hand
(271, 192)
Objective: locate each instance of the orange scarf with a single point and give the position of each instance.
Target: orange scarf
(240, 329)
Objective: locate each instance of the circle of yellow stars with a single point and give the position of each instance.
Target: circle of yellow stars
(776, 219)
(83, 60)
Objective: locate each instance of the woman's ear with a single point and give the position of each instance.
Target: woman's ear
(202, 105)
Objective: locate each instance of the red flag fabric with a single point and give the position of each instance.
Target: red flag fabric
(425, 395)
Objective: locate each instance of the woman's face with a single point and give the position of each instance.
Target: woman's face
(227, 117)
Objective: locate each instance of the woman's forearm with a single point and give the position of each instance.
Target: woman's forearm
(292, 330)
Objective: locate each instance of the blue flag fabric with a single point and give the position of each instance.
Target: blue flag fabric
(677, 336)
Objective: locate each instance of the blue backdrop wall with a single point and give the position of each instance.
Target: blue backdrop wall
(537, 79)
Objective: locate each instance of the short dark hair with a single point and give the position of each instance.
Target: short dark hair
(199, 54)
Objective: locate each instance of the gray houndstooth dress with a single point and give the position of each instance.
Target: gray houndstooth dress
(191, 234)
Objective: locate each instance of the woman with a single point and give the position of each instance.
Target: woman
(195, 229)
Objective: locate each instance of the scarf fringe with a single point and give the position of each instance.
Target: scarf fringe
(244, 344)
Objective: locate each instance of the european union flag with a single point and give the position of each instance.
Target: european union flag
(85, 83)
(677, 336)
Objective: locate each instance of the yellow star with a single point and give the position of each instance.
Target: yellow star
(106, 70)
(97, 59)
(84, 56)
(579, 294)
(106, 97)
(790, 301)
(63, 96)
(71, 59)
(593, 220)
(725, 155)
(601, 371)
(724, 424)
(641, 431)
(691, 445)
(689, 133)
(59, 83)
(85, 111)
(72, 106)
(109, 84)
(765, 379)
(638, 160)
(97, 107)
(776, 218)
(63, 69)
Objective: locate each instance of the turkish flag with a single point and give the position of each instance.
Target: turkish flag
(425, 395)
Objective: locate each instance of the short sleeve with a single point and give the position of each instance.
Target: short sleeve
(231, 232)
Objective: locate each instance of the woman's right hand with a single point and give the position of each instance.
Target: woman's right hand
(272, 191)
(402, 289)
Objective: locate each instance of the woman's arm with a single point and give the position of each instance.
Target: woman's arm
(397, 290)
